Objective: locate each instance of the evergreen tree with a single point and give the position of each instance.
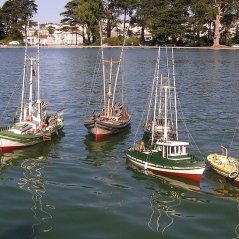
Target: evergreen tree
(169, 20)
(87, 13)
(15, 14)
(217, 15)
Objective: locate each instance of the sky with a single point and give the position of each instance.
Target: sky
(48, 10)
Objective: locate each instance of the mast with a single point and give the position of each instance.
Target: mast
(154, 115)
(157, 78)
(30, 84)
(156, 72)
(109, 113)
(118, 68)
(38, 75)
(38, 63)
(24, 74)
(169, 90)
(103, 69)
(175, 97)
(160, 96)
(165, 131)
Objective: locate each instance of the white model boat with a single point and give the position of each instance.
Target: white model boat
(33, 124)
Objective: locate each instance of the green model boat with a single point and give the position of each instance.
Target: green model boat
(161, 152)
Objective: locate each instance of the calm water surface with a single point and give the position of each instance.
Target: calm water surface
(76, 188)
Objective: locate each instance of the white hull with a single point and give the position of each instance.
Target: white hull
(7, 144)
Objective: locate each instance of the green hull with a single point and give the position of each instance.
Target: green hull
(186, 166)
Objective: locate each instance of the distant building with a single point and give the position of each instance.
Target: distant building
(62, 34)
(58, 37)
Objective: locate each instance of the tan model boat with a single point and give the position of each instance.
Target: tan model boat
(226, 166)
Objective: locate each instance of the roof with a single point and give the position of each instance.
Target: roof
(172, 143)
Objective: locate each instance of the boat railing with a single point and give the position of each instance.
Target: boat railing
(3, 128)
(235, 165)
(58, 113)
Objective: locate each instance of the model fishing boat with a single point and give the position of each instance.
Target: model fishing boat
(226, 166)
(32, 124)
(114, 116)
(166, 155)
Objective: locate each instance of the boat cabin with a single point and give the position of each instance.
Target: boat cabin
(172, 149)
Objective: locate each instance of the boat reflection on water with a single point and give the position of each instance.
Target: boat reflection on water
(33, 161)
(33, 182)
(174, 181)
(222, 187)
(105, 145)
(166, 199)
(30, 152)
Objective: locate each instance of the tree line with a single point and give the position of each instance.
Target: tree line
(178, 22)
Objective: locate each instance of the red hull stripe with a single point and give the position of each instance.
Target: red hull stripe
(99, 137)
(194, 177)
(11, 148)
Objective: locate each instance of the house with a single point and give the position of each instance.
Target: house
(58, 37)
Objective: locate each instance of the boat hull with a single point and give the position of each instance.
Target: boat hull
(8, 144)
(227, 167)
(101, 130)
(193, 172)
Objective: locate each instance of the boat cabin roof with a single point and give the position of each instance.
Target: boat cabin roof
(172, 143)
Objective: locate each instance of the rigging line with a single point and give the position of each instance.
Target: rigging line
(233, 137)
(93, 81)
(95, 73)
(224, 133)
(187, 130)
(140, 123)
(13, 93)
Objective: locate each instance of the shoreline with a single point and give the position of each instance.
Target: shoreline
(221, 47)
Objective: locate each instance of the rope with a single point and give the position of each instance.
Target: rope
(141, 120)
(11, 96)
(93, 81)
(187, 130)
(233, 137)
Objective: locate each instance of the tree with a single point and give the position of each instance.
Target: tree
(15, 14)
(126, 7)
(141, 15)
(220, 14)
(2, 34)
(51, 30)
(169, 20)
(199, 23)
(70, 17)
(110, 14)
(87, 13)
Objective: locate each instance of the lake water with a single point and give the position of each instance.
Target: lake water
(77, 188)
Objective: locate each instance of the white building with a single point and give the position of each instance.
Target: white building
(59, 37)
(67, 38)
